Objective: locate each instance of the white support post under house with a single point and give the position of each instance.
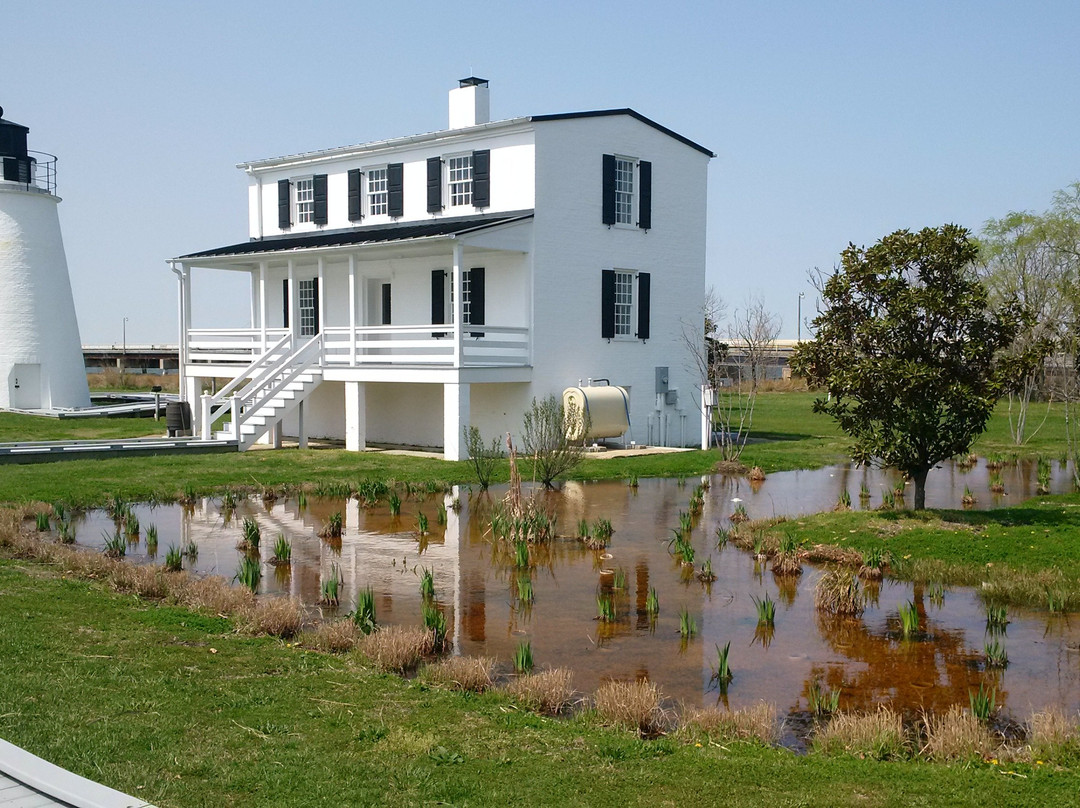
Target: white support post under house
(321, 297)
(262, 306)
(455, 416)
(301, 428)
(459, 307)
(352, 311)
(294, 320)
(355, 416)
(254, 295)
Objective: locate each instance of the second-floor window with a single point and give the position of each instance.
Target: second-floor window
(460, 180)
(377, 192)
(624, 191)
(305, 200)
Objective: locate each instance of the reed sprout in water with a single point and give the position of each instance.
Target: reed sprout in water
(364, 616)
(766, 610)
(249, 573)
(523, 657)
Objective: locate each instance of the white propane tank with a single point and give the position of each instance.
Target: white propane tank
(608, 410)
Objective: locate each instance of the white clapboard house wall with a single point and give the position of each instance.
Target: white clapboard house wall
(406, 288)
(41, 360)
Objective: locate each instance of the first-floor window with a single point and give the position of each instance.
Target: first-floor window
(466, 298)
(377, 192)
(305, 200)
(309, 303)
(624, 304)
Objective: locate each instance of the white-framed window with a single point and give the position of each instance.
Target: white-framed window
(624, 304)
(624, 190)
(466, 297)
(460, 176)
(308, 299)
(305, 200)
(378, 197)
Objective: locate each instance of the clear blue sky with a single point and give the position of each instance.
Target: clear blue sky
(833, 121)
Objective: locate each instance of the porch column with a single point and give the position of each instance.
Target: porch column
(459, 308)
(321, 296)
(352, 310)
(355, 416)
(294, 320)
(455, 416)
(254, 295)
(193, 396)
(262, 305)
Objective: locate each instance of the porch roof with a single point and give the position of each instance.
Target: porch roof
(355, 236)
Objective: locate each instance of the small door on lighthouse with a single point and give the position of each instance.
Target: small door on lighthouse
(24, 387)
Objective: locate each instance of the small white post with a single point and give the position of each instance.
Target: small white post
(204, 431)
(235, 428)
(300, 425)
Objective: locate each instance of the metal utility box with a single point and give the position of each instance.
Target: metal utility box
(661, 380)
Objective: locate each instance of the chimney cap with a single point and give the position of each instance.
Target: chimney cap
(472, 81)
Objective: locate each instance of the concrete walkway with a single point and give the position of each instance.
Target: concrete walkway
(27, 781)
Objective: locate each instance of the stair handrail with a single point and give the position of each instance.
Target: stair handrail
(247, 401)
(214, 405)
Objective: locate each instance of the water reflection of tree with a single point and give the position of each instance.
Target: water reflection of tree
(930, 674)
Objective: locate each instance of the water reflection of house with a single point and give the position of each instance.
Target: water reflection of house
(403, 289)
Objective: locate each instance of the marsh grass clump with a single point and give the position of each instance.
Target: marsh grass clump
(41, 520)
(521, 554)
(686, 523)
(968, 499)
(786, 560)
(249, 573)
(605, 609)
(364, 616)
(757, 724)
(523, 657)
(766, 610)
(301, 500)
(191, 551)
(602, 529)
(838, 592)
(935, 593)
(723, 675)
(955, 735)
(394, 501)
(251, 537)
(228, 501)
(618, 579)
(421, 523)
(652, 603)
(633, 481)
(282, 551)
(550, 692)
(631, 705)
(1052, 736)
(115, 546)
(888, 501)
(706, 574)
(687, 624)
(722, 536)
(739, 514)
(468, 674)
(174, 559)
(524, 588)
(151, 539)
(397, 649)
(427, 584)
(997, 618)
(982, 702)
(65, 532)
(681, 548)
(874, 562)
(369, 492)
(878, 735)
(1043, 475)
(909, 620)
(435, 622)
(132, 528)
(440, 513)
(996, 655)
(334, 526)
(330, 588)
(843, 502)
(821, 700)
(333, 636)
(997, 483)
(864, 492)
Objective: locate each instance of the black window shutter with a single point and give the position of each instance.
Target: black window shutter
(284, 206)
(607, 303)
(315, 289)
(438, 302)
(643, 290)
(476, 299)
(644, 195)
(395, 189)
(318, 188)
(481, 178)
(609, 189)
(285, 303)
(386, 304)
(434, 184)
(356, 211)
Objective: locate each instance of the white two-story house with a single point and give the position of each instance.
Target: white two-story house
(406, 288)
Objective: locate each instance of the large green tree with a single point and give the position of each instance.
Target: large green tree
(909, 350)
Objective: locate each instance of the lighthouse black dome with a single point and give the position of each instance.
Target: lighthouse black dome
(13, 150)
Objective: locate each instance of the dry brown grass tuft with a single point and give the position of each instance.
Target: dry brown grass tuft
(397, 649)
(956, 735)
(278, 617)
(461, 673)
(878, 735)
(757, 474)
(212, 594)
(757, 723)
(838, 592)
(633, 705)
(144, 581)
(333, 636)
(1052, 735)
(550, 692)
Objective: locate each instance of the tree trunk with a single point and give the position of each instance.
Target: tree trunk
(920, 488)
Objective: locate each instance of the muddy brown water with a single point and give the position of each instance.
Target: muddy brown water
(476, 586)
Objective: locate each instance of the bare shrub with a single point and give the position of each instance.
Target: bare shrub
(277, 617)
(397, 649)
(839, 592)
(546, 434)
(549, 692)
(956, 735)
(333, 636)
(756, 723)
(1051, 735)
(878, 735)
(461, 673)
(633, 705)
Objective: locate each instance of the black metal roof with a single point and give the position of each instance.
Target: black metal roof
(600, 113)
(403, 231)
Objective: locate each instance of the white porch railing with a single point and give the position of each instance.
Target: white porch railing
(402, 345)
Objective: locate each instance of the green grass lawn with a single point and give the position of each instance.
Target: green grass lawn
(176, 708)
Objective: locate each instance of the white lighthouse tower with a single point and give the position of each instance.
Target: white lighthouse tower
(41, 361)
